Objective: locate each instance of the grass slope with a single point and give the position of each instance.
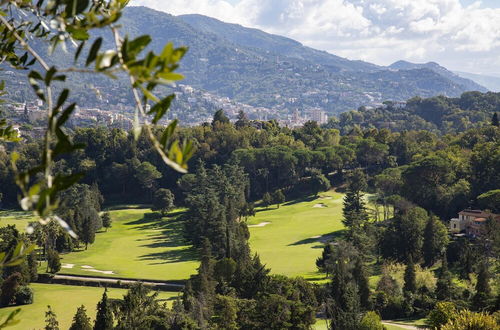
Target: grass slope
(19, 219)
(64, 300)
(138, 245)
(292, 240)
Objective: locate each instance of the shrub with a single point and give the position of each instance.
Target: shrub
(24, 296)
(441, 314)
(9, 289)
(371, 321)
(467, 320)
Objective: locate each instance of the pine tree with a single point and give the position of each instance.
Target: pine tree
(494, 120)
(51, 320)
(410, 278)
(483, 290)
(435, 240)
(81, 321)
(361, 278)
(354, 210)
(444, 285)
(104, 315)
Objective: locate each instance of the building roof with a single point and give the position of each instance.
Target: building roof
(476, 213)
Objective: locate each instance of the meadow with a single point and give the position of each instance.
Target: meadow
(64, 300)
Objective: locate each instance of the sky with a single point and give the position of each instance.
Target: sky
(462, 35)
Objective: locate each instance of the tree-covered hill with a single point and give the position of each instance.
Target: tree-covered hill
(260, 69)
(438, 114)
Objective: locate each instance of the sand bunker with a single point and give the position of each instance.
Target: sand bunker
(262, 224)
(68, 266)
(320, 205)
(92, 269)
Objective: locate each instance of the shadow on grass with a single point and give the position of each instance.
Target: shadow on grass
(301, 200)
(166, 239)
(322, 239)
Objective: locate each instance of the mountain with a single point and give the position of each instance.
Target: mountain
(274, 44)
(469, 84)
(263, 70)
(490, 82)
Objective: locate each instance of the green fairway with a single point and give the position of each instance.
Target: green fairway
(138, 245)
(289, 239)
(19, 219)
(64, 300)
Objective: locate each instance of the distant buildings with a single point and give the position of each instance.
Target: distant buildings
(471, 222)
(318, 115)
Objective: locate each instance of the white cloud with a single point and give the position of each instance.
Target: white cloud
(461, 37)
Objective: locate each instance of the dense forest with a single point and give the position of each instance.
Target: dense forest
(440, 114)
(420, 178)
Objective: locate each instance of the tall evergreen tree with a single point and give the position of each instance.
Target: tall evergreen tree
(444, 284)
(361, 279)
(410, 278)
(354, 210)
(104, 315)
(87, 234)
(51, 320)
(483, 290)
(81, 321)
(344, 306)
(435, 240)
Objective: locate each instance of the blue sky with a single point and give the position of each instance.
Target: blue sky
(463, 35)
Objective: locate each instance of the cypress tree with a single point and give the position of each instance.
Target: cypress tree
(483, 290)
(444, 285)
(344, 307)
(104, 315)
(81, 321)
(410, 277)
(361, 278)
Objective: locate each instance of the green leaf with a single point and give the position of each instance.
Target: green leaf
(160, 108)
(78, 33)
(137, 45)
(79, 51)
(93, 51)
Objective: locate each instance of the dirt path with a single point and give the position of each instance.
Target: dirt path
(402, 326)
(104, 281)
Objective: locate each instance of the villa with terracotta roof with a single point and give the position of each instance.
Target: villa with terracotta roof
(471, 222)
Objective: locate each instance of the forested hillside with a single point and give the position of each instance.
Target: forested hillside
(436, 114)
(260, 69)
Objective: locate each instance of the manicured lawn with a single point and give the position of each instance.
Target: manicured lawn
(138, 245)
(19, 219)
(292, 240)
(64, 300)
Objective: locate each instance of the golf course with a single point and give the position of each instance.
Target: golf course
(142, 245)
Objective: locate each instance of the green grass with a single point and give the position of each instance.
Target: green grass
(19, 219)
(64, 300)
(292, 241)
(138, 245)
